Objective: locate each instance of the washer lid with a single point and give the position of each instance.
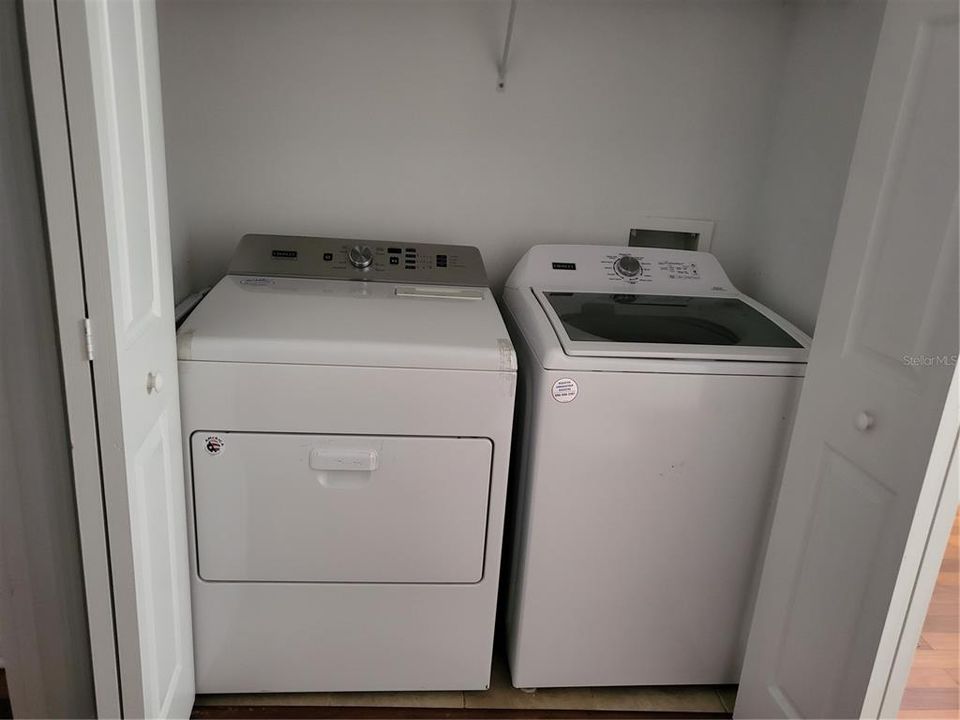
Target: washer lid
(727, 326)
(333, 322)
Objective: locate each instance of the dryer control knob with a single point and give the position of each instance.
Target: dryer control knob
(627, 266)
(360, 256)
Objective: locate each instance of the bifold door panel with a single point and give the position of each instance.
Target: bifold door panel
(277, 507)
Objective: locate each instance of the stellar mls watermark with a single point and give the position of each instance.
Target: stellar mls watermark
(929, 360)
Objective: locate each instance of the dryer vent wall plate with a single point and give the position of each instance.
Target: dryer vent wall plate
(672, 233)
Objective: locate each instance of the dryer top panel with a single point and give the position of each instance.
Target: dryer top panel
(261, 319)
(366, 260)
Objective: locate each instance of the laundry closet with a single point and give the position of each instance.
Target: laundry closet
(399, 132)
(392, 122)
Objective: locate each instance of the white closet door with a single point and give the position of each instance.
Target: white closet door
(112, 83)
(880, 368)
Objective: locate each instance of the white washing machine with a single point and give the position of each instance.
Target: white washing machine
(347, 413)
(657, 401)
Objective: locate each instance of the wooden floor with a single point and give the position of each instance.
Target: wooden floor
(933, 690)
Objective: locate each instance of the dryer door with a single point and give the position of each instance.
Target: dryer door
(273, 507)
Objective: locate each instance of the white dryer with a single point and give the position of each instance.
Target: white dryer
(347, 411)
(656, 404)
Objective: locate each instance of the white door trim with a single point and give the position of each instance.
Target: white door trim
(56, 171)
(926, 544)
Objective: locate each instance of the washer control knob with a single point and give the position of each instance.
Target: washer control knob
(360, 256)
(627, 266)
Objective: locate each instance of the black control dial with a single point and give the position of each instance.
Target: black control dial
(627, 266)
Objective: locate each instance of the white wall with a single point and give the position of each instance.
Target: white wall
(381, 119)
(829, 58)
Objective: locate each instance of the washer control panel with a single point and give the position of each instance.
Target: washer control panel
(631, 269)
(343, 259)
(639, 268)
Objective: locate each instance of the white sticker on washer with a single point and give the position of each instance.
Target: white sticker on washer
(565, 390)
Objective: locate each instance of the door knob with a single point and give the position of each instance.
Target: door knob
(154, 382)
(864, 421)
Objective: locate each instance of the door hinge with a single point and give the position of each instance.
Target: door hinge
(88, 337)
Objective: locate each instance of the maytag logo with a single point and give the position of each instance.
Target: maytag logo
(289, 254)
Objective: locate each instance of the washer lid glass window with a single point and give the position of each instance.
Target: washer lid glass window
(723, 327)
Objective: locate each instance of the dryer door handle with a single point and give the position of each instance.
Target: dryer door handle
(344, 459)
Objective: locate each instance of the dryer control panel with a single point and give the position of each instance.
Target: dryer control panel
(345, 259)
